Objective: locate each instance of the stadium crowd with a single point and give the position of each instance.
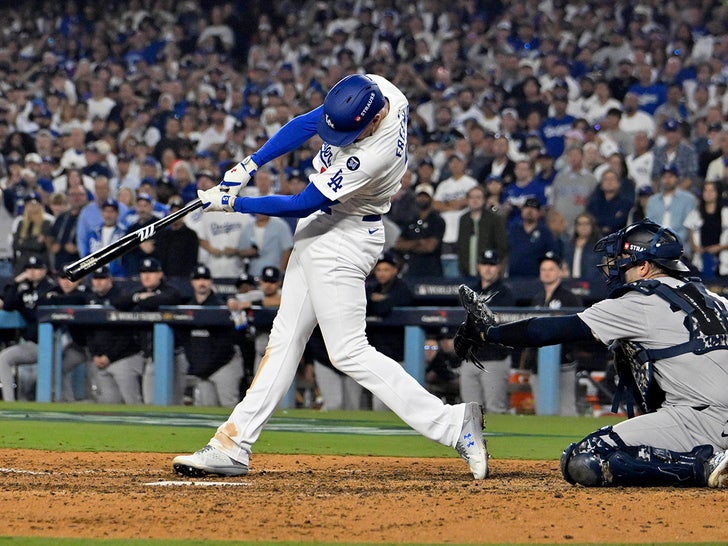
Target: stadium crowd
(534, 128)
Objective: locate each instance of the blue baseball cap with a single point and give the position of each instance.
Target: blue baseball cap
(348, 108)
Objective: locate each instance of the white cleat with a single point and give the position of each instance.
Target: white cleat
(718, 464)
(471, 445)
(206, 461)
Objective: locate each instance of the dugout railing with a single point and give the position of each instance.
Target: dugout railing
(416, 321)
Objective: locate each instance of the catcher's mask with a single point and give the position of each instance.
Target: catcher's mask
(643, 241)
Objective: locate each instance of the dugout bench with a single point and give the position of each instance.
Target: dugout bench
(415, 320)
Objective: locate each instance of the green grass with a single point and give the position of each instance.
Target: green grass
(509, 436)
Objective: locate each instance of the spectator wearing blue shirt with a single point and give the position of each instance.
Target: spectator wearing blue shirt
(606, 204)
(555, 126)
(651, 94)
(90, 217)
(528, 240)
(523, 187)
(678, 153)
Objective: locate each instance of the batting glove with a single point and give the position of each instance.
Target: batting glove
(215, 200)
(234, 180)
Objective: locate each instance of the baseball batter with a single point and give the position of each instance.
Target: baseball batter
(363, 123)
(671, 336)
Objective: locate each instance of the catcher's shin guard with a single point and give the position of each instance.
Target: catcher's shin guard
(603, 459)
(651, 466)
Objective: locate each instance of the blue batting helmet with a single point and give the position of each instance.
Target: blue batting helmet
(348, 108)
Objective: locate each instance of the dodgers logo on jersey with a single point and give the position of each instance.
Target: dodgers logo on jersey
(335, 182)
(353, 163)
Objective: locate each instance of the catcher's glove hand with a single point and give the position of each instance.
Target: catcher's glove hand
(478, 319)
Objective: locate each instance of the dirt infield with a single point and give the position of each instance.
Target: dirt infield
(347, 499)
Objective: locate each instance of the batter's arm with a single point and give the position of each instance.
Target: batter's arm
(289, 137)
(297, 206)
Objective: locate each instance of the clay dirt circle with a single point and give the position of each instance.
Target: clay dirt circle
(340, 499)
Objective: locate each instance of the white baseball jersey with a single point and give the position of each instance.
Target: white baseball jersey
(333, 253)
(365, 175)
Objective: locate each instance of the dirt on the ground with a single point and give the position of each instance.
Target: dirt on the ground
(339, 499)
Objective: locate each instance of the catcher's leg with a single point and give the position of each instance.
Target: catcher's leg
(602, 459)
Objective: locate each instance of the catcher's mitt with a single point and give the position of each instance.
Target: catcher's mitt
(471, 333)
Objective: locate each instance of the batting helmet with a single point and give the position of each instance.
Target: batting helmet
(348, 108)
(643, 241)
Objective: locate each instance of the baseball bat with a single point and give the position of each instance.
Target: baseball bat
(82, 267)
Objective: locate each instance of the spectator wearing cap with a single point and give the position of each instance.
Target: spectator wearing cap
(74, 353)
(97, 163)
(176, 247)
(31, 237)
(213, 359)
(573, 185)
(75, 153)
(63, 232)
(144, 208)
(671, 206)
(555, 126)
(501, 165)
(677, 153)
(420, 242)
(109, 231)
(451, 202)
(28, 289)
(528, 240)
(385, 292)
(118, 364)
(154, 292)
(607, 205)
(545, 171)
(718, 168)
(91, 218)
(269, 284)
(124, 177)
(639, 209)
(248, 294)
(489, 387)
(554, 295)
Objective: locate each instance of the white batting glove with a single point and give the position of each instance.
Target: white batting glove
(215, 200)
(234, 180)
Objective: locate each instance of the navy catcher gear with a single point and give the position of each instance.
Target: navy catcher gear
(603, 459)
(644, 241)
(348, 108)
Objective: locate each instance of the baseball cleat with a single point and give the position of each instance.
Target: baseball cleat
(471, 445)
(718, 465)
(206, 461)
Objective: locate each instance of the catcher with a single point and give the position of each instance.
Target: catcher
(670, 337)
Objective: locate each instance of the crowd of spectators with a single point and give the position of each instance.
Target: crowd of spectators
(582, 107)
(528, 120)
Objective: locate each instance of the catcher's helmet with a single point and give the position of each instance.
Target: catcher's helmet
(348, 108)
(644, 241)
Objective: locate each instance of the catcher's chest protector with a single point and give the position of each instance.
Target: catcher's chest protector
(706, 321)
